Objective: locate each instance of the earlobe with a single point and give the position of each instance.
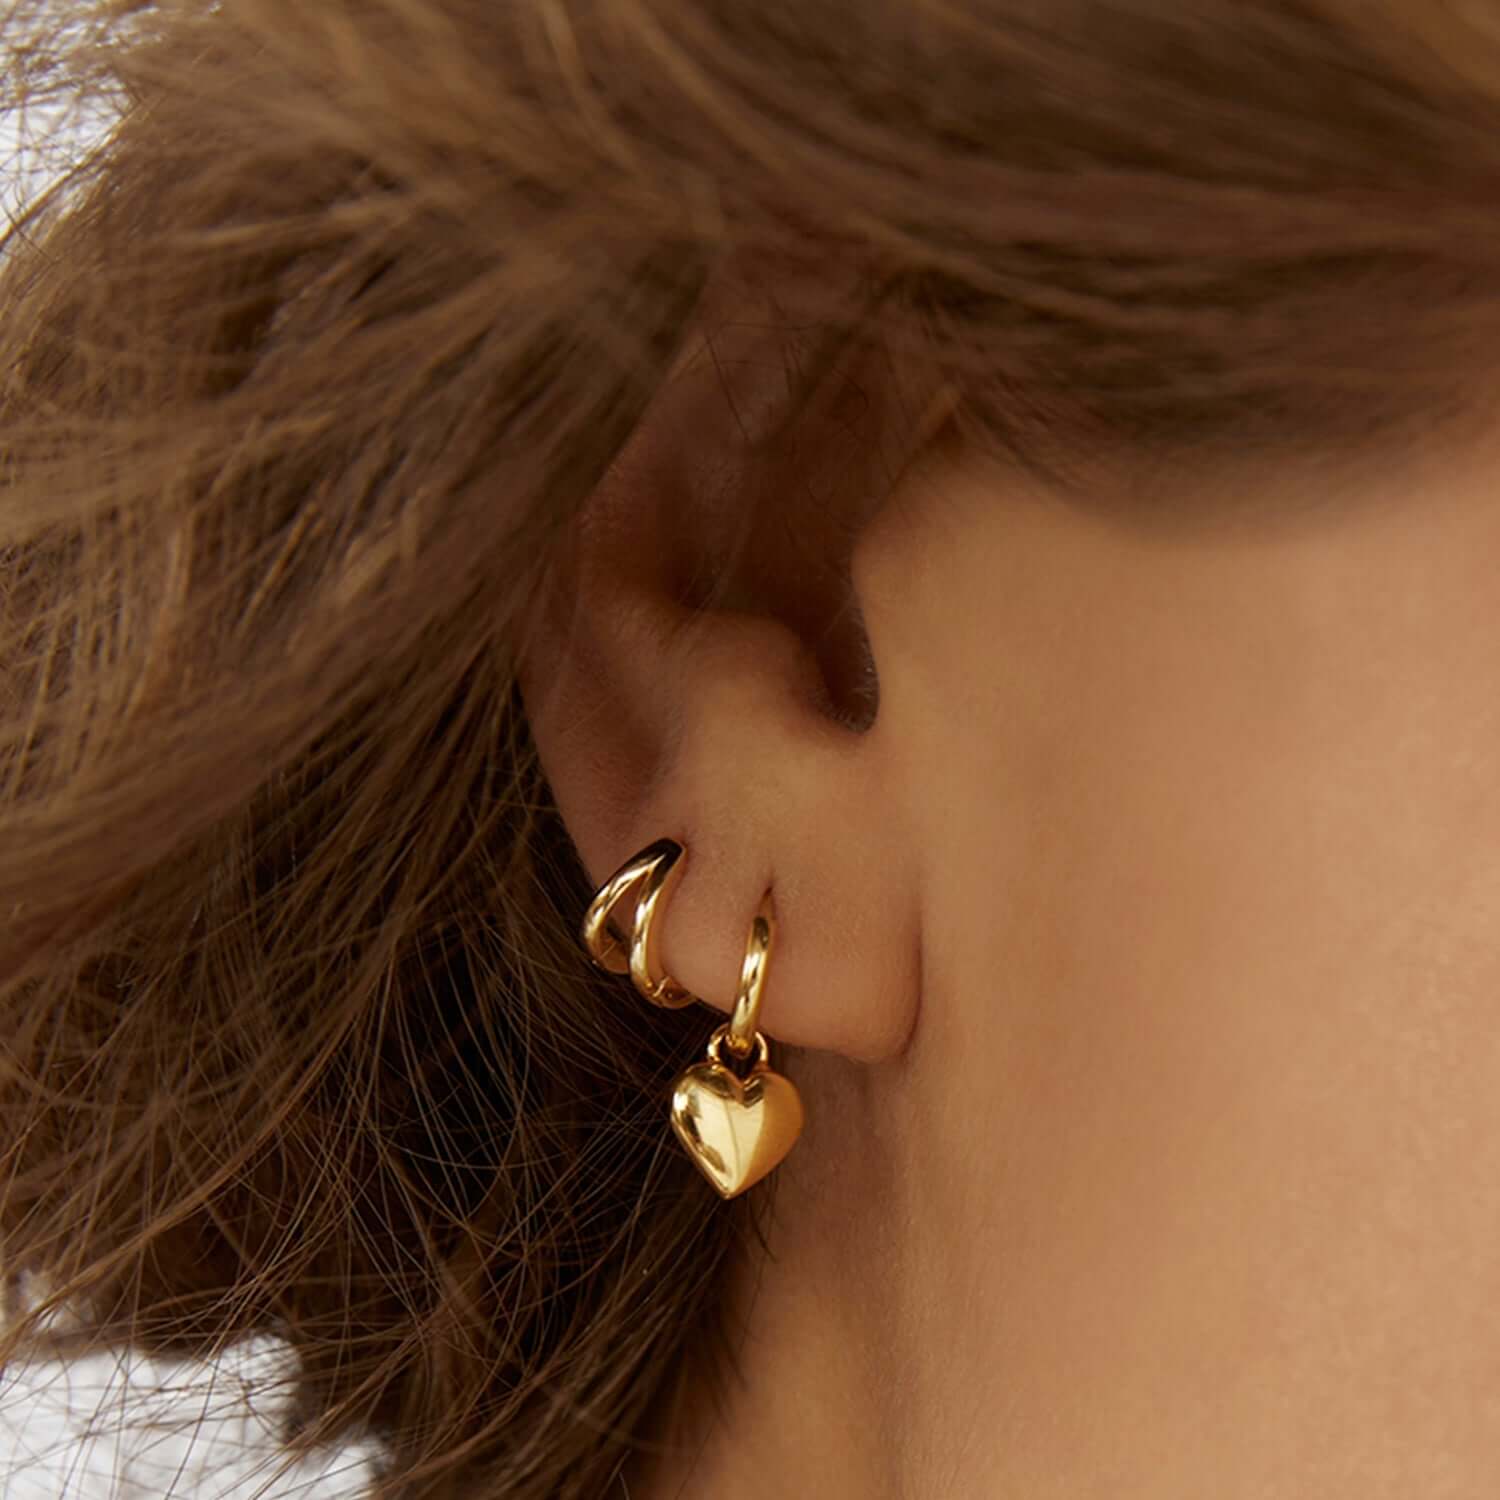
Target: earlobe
(704, 713)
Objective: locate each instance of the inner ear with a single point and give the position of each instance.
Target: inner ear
(788, 447)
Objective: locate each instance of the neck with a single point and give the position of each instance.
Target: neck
(822, 1371)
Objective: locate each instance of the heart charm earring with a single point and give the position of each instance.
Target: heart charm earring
(737, 1128)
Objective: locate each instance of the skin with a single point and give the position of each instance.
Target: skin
(1139, 967)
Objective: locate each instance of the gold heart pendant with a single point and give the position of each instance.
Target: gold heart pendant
(736, 1130)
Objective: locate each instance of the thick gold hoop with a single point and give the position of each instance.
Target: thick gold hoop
(648, 877)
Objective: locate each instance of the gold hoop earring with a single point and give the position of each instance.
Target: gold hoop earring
(739, 1129)
(649, 877)
(736, 1129)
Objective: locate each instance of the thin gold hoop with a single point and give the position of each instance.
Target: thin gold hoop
(650, 877)
(741, 1032)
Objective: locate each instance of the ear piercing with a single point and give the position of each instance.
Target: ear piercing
(735, 1128)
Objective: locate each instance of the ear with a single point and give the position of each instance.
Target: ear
(699, 669)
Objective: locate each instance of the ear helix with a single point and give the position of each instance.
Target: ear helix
(736, 1129)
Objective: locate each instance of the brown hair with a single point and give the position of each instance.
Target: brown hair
(303, 365)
